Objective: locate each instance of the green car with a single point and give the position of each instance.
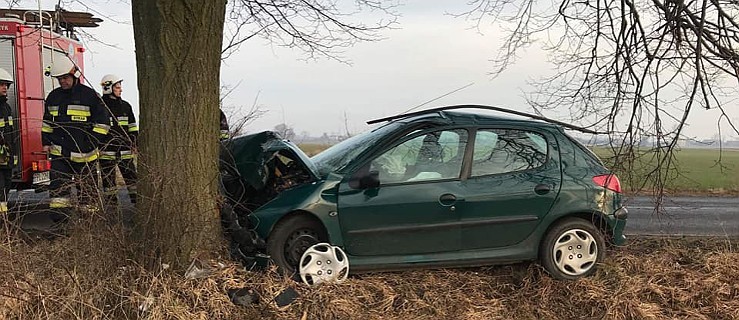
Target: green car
(436, 188)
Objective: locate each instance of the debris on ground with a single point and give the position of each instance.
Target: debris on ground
(244, 297)
(286, 297)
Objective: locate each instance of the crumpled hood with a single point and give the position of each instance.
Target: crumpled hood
(252, 152)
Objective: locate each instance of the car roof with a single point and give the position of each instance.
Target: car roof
(483, 118)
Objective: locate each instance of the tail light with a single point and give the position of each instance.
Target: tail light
(41, 165)
(608, 181)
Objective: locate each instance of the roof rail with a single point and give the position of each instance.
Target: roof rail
(499, 109)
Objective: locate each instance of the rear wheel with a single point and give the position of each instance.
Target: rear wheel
(291, 238)
(572, 248)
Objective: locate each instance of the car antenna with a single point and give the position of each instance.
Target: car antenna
(439, 97)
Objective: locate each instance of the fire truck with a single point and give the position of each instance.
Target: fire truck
(29, 42)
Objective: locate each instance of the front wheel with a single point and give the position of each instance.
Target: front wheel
(572, 248)
(291, 238)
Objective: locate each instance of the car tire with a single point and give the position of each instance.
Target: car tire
(291, 238)
(572, 248)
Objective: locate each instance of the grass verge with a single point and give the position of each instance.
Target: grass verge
(87, 275)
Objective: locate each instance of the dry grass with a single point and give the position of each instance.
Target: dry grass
(87, 275)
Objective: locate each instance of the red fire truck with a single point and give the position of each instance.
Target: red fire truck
(29, 42)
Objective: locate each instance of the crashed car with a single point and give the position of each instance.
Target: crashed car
(435, 188)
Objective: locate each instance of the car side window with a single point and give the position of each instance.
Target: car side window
(430, 156)
(505, 150)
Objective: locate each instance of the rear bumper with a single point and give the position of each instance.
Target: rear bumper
(617, 223)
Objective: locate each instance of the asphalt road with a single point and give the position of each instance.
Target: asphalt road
(684, 216)
(678, 216)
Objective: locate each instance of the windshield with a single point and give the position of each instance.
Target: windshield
(339, 155)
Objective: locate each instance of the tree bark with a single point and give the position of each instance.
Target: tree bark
(178, 47)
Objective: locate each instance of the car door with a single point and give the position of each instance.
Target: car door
(514, 179)
(409, 209)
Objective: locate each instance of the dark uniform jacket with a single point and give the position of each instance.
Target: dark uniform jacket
(224, 126)
(6, 135)
(123, 127)
(75, 123)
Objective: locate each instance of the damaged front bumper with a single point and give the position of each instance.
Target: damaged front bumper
(254, 170)
(245, 245)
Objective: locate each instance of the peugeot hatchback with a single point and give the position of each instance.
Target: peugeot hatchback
(436, 188)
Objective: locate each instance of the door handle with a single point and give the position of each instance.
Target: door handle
(542, 189)
(449, 199)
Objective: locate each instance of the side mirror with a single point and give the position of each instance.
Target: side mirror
(371, 180)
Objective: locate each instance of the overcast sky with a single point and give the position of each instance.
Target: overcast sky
(428, 55)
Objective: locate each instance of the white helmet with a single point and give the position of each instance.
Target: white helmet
(108, 81)
(62, 67)
(5, 76)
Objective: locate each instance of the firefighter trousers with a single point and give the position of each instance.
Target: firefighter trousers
(127, 167)
(6, 182)
(66, 175)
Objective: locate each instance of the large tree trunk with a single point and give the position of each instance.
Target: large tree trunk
(178, 47)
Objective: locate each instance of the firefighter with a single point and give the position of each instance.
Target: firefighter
(120, 151)
(75, 125)
(7, 158)
(224, 126)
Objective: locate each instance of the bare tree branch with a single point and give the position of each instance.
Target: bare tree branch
(239, 121)
(638, 69)
(321, 28)
(12, 3)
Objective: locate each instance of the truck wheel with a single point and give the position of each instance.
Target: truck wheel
(291, 238)
(571, 249)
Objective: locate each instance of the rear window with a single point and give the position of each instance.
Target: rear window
(583, 154)
(506, 150)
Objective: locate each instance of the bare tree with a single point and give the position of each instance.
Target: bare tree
(634, 69)
(285, 131)
(178, 58)
(178, 52)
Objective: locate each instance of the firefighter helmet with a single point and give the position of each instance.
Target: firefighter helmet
(5, 76)
(62, 67)
(108, 81)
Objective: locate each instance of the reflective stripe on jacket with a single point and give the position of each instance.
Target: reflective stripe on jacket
(75, 123)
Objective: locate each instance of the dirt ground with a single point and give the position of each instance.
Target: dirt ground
(88, 275)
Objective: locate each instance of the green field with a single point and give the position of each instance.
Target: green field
(692, 171)
(312, 149)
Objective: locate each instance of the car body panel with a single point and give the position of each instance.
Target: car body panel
(503, 209)
(399, 219)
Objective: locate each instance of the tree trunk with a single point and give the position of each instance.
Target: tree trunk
(178, 47)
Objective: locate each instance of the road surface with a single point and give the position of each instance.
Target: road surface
(685, 216)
